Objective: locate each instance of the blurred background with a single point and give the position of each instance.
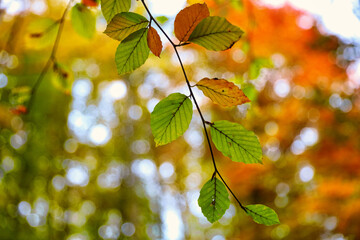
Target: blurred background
(83, 164)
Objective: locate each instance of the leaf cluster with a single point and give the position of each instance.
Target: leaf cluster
(171, 117)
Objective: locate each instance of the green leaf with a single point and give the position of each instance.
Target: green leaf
(235, 142)
(123, 24)
(238, 5)
(83, 21)
(171, 118)
(110, 8)
(262, 214)
(132, 52)
(257, 65)
(162, 19)
(215, 33)
(250, 91)
(214, 200)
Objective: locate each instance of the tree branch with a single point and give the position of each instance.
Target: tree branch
(51, 59)
(204, 122)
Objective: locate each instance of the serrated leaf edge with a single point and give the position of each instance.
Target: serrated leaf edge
(173, 115)
(258, 161)
(132, 52)
(212, 193)
(262, 216)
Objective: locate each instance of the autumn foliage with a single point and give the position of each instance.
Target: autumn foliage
(111, 141)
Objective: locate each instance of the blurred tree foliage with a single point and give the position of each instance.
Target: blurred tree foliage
(82, 164)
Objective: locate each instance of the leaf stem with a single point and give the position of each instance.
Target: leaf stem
(222, 179)
(51, 58)
(204, 122)
(181, 44)
(157, 24)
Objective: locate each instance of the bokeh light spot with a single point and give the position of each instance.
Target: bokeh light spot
(99, 134)
(8, 164)
(218, 237)
(152, 103)
(82, 88)
(271, 128)
(58, 182)
(109, 232)
(24, 208)
(117, 90)
(70, 145)
(78, 175)
(128, 229)
(14, 7)
(306, 173)
(298, 147)
(3, 80)
(305, 22)
(33, 220)
(346, 105)
(166, 170)
(135, 112)
(309, 136)
(281, 202)
(282, 87)
(38, 7)
(238, 56)
(330, 223)
(282, 189)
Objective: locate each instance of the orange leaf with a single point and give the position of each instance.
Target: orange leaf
(18, 110)
(188, 18)
(222, 92)
(90, 3)
(154, 42)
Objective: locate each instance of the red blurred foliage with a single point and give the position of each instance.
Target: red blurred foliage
(311, 59)
(90, 3)
(19, 110)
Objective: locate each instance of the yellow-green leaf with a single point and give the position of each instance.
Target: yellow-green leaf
(162, 19)
(235, 142)
(171, 118)
(262, 214)
(215, 33)
(222, 92)
(83, 21)
(132, 52)
(256, 66)
(110, 8)
(214, 200)
(123, 24)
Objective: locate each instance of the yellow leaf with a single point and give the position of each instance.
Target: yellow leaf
(188, 18)
(222, 92)
(154, 42)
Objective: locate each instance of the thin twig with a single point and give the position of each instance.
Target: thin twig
(157, 24)
(182, 44)
(244, 208)
(51, 58)
(204, 122)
